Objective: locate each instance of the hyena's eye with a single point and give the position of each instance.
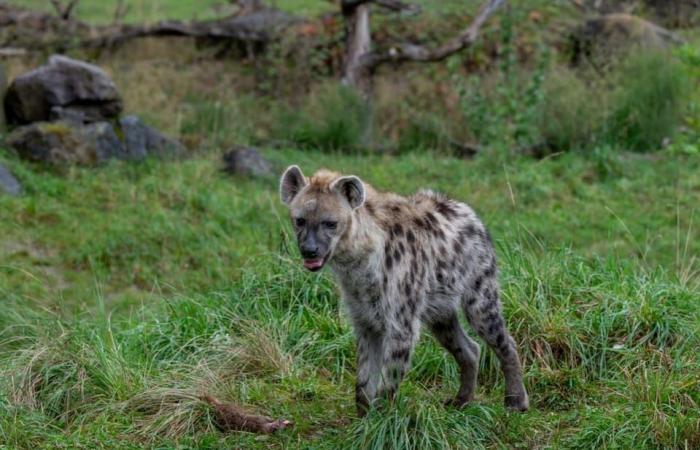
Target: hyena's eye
(300, 221)
(330, 225)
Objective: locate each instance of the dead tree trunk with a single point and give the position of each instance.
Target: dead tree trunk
(362, 62)
(359, 42)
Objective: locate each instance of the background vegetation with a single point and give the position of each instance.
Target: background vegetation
(130, 290)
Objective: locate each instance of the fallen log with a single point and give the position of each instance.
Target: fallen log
(29, 30)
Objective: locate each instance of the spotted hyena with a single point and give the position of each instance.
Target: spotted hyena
(401, 262)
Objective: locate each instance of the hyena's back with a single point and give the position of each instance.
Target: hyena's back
(443, 260)
(439, 248)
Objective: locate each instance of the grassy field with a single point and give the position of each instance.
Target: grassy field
(130, 290)
(102, 12)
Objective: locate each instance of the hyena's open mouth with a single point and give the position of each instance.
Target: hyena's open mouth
(315, 264)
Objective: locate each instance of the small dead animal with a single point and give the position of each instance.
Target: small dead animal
(230, 417)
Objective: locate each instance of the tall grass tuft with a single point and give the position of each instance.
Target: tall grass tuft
(648, 102)
(331, 118)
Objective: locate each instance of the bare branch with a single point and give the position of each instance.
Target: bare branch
(64, 12)
(411, 52)
(120, 11)
(58, 7)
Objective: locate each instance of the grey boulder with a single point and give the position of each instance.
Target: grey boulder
(62, 143)
(8, 183)
(141, 140)
(247, 161)
(605, 38)
(83, 90)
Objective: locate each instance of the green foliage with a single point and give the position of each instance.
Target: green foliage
(332, 118)
(128, 291)
(502, 108)
(118, 357)
(649, 101)
(572, 114)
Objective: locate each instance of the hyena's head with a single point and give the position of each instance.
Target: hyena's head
(321, 209)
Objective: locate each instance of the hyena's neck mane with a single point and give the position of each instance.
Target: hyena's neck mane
(371, 226)
(363, 235)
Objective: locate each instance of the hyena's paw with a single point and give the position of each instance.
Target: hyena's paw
(457, 402)
(519, 402)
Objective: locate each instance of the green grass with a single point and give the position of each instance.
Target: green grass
(153, 10)
(102, 12)
(130, 290)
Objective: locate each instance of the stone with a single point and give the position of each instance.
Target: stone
(8, 183)
(61, 143)
(65, 142)
(142, 140)
(102, 138)
(604, 38)
(65, 83)
(248, 162)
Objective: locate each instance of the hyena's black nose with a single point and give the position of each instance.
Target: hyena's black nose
(309, 251)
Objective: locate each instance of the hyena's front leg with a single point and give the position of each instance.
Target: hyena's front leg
(369, 360)
(398, 346)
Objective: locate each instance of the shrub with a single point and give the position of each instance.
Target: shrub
(571, 114)
(648, 102)
(332, 118)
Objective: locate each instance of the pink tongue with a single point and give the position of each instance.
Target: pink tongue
(313, 263)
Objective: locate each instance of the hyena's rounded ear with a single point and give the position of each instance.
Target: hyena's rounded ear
(352, 189)
(291, 183)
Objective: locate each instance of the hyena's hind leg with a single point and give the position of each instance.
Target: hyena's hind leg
(483, 311)
(465, 351)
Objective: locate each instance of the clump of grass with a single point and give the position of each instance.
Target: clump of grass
(407, 425)
(649, 100)
(332, 118)
(570, 116)
(636, 105)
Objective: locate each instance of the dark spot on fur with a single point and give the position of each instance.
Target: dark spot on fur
(400, 354)
(491, 269)
(388, 261)
(477, 283)
(457, 246)
(499, 340)
(493, 317)
(410, 237)
(439, 233)
(444, 208)
(397, 229)
(397, 255)
(469, 231)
